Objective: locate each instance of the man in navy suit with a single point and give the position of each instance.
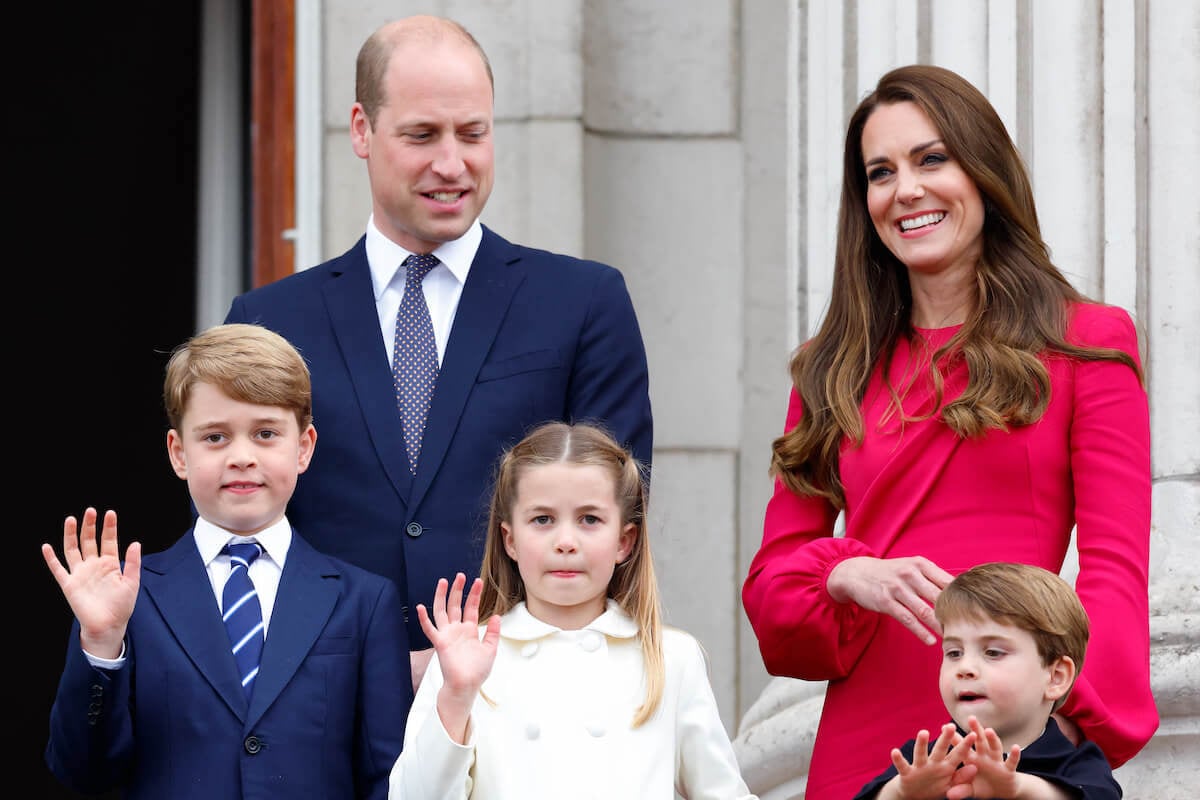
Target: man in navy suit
(522, 335)
(152, 700)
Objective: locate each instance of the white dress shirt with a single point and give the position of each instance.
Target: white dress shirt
(443, 285)
(562, 722)
(264, 572)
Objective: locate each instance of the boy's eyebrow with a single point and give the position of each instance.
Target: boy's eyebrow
(272, 419)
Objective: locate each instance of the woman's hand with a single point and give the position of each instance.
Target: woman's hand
(902, 588)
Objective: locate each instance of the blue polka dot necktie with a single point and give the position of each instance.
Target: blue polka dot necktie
(414, 355)
(242, 613)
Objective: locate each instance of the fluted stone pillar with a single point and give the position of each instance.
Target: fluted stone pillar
(663, 201)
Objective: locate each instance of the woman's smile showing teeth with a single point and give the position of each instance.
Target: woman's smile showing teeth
(932, 218)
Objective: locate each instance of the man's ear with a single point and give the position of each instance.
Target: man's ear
(360, 131)
(1061, 676)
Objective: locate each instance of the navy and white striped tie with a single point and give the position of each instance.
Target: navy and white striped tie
(242, 612)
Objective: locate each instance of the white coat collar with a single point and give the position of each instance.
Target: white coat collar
(520, 625)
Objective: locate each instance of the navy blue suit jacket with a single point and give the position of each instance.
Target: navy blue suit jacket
(536, 337)
(326, 718)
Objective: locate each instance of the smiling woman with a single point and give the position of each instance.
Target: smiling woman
(926, 210)
(960, 403)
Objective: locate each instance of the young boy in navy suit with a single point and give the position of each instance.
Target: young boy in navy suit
(1013, 642)
(152, 700)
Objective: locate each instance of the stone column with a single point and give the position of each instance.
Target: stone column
(663, 202)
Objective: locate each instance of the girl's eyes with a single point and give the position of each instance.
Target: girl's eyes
(541, 519)
(590, 519)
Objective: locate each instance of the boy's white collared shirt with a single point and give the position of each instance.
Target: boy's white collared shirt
(264, 572)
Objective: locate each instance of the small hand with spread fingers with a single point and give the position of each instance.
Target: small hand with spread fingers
(934, 770)
(995, 776)
(99, 591)
(464, 657)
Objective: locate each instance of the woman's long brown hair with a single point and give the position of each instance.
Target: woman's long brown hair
(1018, 315)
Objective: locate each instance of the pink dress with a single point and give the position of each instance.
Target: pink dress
(917, 489)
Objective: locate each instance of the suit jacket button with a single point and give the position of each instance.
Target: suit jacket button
(414, 529)
(252, 744)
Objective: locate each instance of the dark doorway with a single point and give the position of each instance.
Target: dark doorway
(106, 235)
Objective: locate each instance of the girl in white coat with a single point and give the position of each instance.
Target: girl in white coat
(573, 687)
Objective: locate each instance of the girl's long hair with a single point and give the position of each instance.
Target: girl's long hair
(633, 585)
(1018, 315)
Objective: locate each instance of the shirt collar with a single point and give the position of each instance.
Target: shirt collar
(519, 624)
(385, 256)
(275, 540)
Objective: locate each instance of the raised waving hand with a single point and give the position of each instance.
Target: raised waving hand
(465, 658)
(101, 594)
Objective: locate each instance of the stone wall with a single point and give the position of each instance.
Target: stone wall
(695, 144)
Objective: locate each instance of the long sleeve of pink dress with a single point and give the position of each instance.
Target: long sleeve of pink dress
(914, 488)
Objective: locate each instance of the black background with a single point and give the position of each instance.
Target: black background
(101, 226)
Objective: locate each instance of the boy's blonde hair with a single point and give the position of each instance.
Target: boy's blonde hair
(633, 585)
(248, 363)
(1024, 596)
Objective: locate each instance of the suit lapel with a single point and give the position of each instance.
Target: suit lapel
(362, 348)
(303, 605)
(178, 585)
(494, 276)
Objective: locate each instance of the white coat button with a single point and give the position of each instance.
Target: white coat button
(529, 649)
(532, 730)
(596, 729)
(590, 641)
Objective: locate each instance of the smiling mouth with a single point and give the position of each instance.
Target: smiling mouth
(445, 197)
(912, 223)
